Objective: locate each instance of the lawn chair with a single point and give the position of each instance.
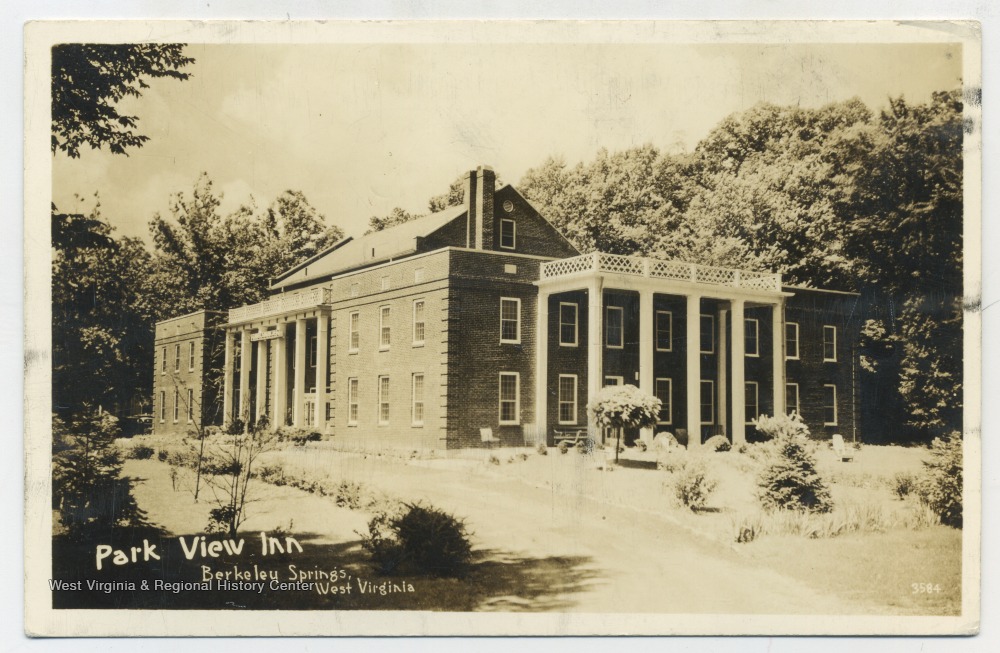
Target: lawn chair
(845, 453)
(486, 435)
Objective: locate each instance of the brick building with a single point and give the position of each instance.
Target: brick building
(420, 335)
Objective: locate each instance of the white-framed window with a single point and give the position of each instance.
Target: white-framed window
(163, 400)
(792, 398)
(751, 337)
(707, 402)
(353, 335)
(163, 361)
(614, 327)
(664, 331)
(509, 268)
(386, 284)
(510, 320)
(829, 343)
(417, 400)
(312, 353)
(419, 324)
(352, 401)
(750, 401)
(614, 381)
(663, 389)
(191, 356)
(190, 405)
(510, 398)
(791, 340)
(384, 330)
(177, 358)
(177, 404)
(707, 325)
(508, 234)
(567, 398)
(418, 275)
(383, 400)
(829, 405)
(569, 328)
(355, 289)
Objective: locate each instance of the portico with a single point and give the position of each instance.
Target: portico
(711, 355)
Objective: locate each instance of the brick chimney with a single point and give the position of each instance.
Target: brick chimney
(480, 184)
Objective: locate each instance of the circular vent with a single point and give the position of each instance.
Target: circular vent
(508, 206)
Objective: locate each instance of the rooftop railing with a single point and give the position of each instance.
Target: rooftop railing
(282, 304)
(652, 268)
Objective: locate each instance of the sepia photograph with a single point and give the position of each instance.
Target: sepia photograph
(500, 328)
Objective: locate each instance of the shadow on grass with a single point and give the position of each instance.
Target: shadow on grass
(341, 576)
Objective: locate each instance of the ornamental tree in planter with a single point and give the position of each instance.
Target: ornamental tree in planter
(623, 406)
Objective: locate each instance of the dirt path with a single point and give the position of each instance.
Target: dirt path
(601, 558)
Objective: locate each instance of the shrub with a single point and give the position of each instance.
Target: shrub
(585, 445)
(298, 437)
(563, 447)
(418, 538)
(141, 452)
(693, 486)
(665, 441)
(902, 484)
(790, 481)
(522, 456)
(940, 485)
(641, 445)
(542, 449)
(273, 474)
(718, 443)
(770, 428)
(493, 460)
(748, 528)
(161, 455)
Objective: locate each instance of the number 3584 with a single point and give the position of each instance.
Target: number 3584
(925, 588)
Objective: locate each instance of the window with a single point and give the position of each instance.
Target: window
(568, 325)
(177, 358)
(191, 356)
(509, 268)
(751, 342)
(177, 404)
(567, 398)
(707, 334)
(664, 331)
(829, 405)
(418, 322)
(510, 320)
(791, 398)
(829, 343)
(417, 403)
(792, 340)
(385, 283)
(663, 390)
(707, 402)
(750, 401)
(418, 275)
(510, 398)
(383, 400)
(613, 381)
(385, 335)
(614, 336)
(353, 337)
(163, 361)
(352, 402)
(190, 405)
(508, 234)
(163, 400)
(312, 351)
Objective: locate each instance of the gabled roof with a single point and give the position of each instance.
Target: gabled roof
(351, 252)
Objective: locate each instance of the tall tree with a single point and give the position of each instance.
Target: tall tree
(88, 81)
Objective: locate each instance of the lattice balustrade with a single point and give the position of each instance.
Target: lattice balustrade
(760, 281)
(565, 266)
(281, 304)
(676, 270)
(622, 264)
(716, 276)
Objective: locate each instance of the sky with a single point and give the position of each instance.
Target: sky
(363, 128)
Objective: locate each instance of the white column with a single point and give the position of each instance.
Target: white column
(778, 355)
(542, 366)
(646, 338)
(595, 347)
(739, 368)
(261, 380)
(693, 351)
(322, 360)
(300, 372)
(279, 379)
(227, 382)
(245, 353)
(723, 371)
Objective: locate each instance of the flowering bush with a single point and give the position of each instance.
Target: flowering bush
(781, 425)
